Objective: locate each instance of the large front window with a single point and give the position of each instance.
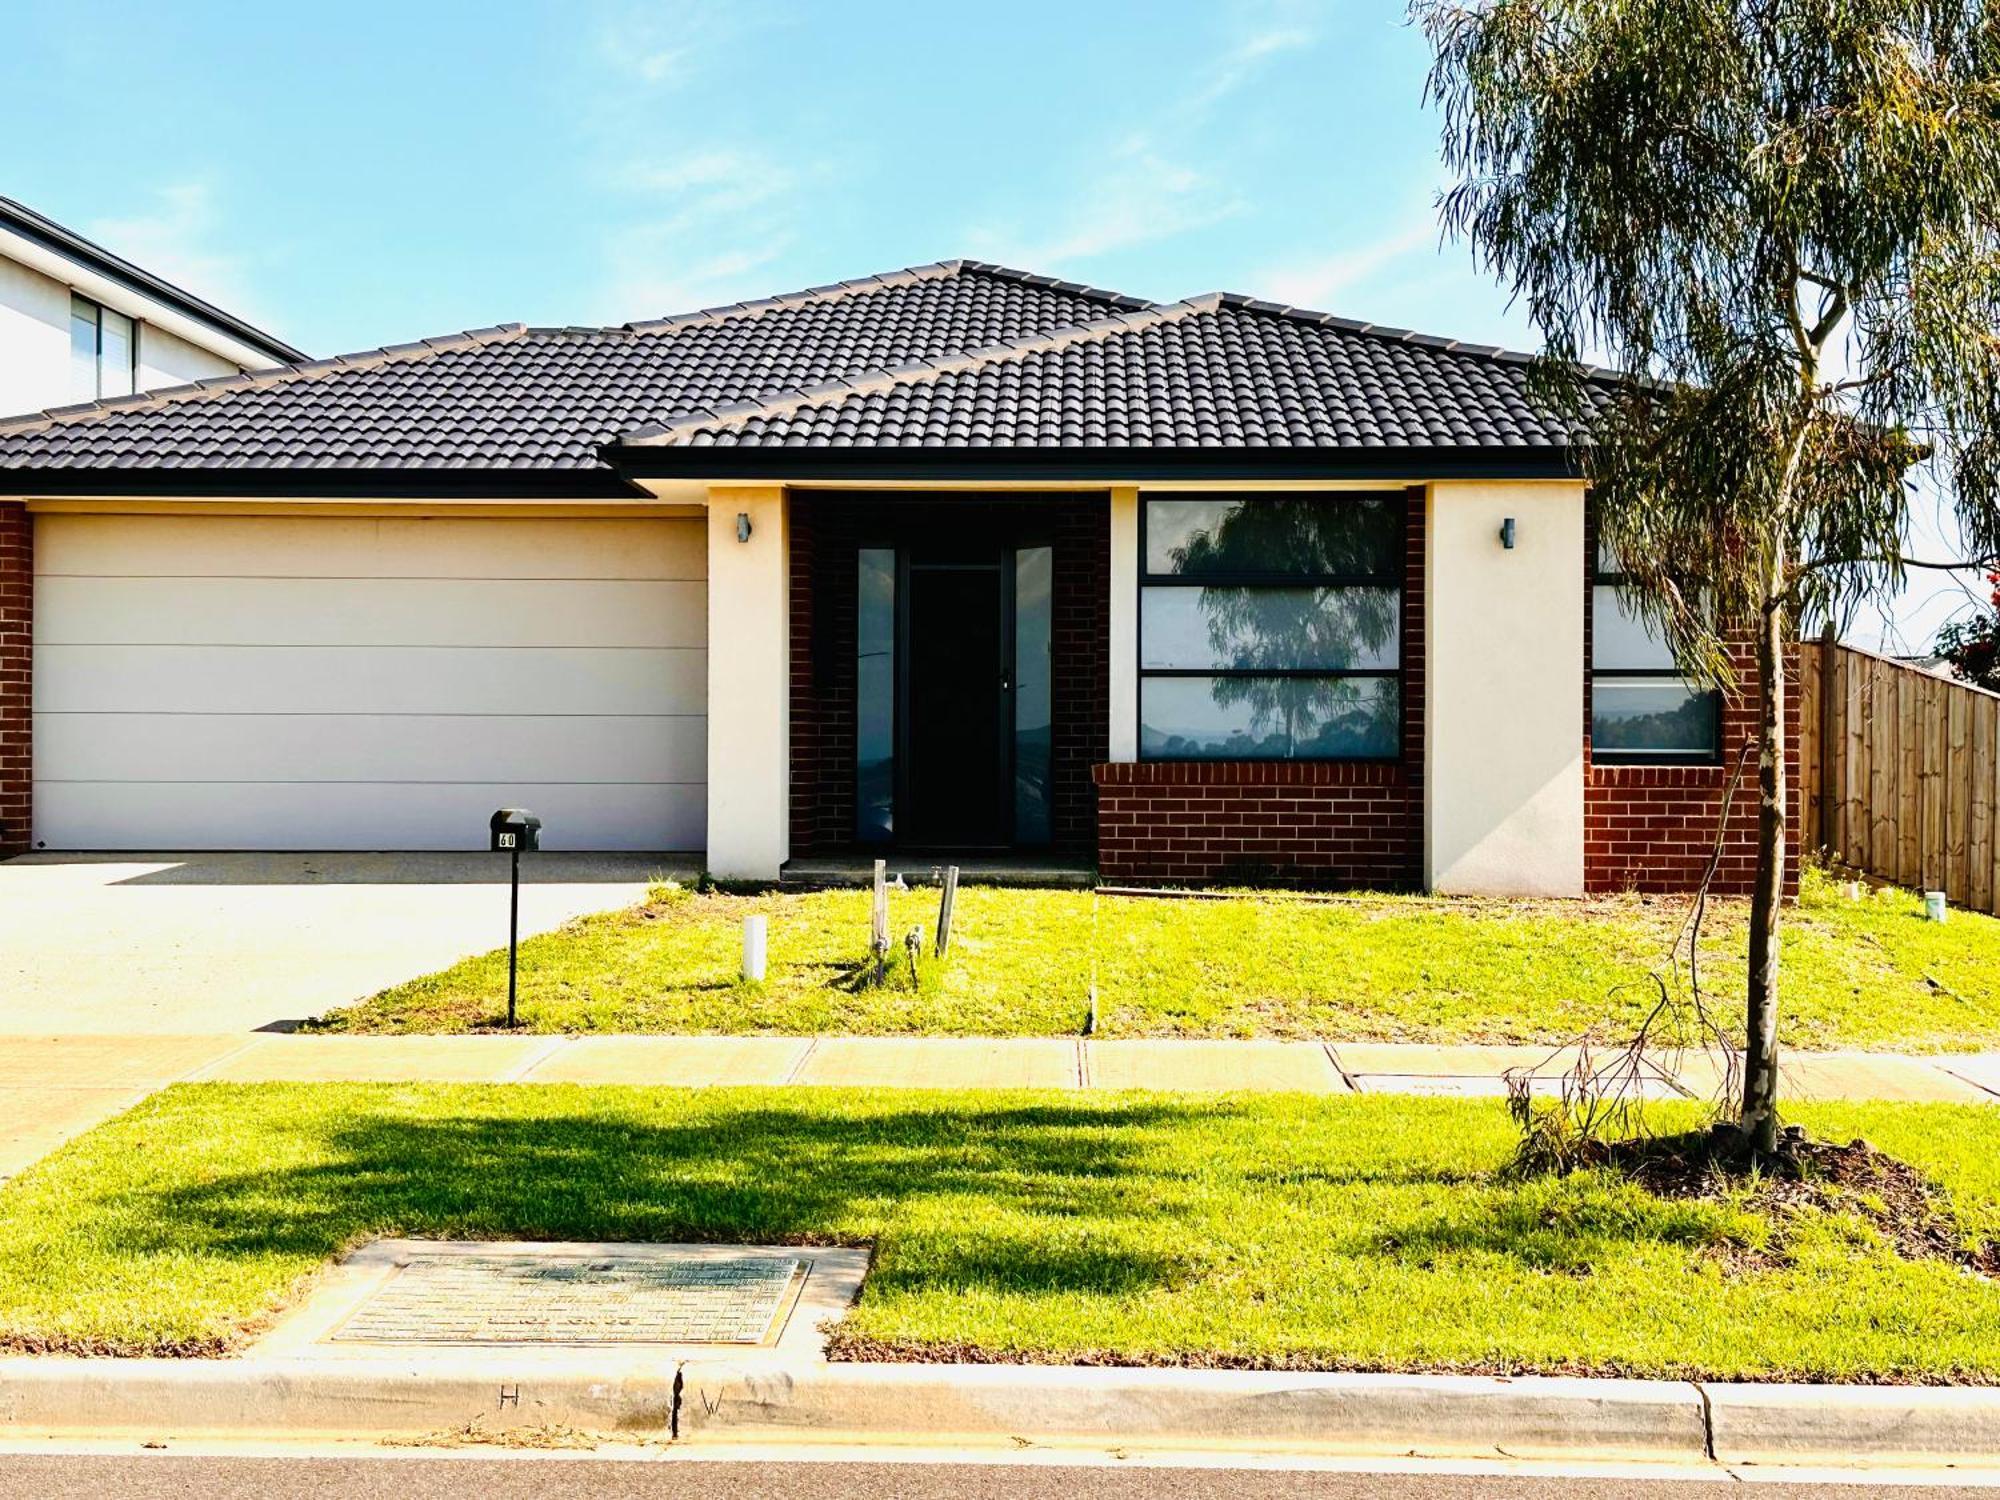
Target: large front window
(1270, 627)
(1641, 706)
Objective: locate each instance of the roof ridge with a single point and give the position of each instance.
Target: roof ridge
(832, 292)
(1151, 315)
(1239, 302)
(172, 395)
(1053, 284)
(835, 291)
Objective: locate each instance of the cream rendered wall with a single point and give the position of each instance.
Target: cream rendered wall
(34, 340)
(1503, 804)
(749, 683)
(168, 359)
(1123, 644)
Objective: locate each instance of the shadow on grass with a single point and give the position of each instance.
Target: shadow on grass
(1022, 1198)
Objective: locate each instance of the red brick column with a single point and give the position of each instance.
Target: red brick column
(17, 603)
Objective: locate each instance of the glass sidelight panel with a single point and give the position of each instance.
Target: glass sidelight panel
(875, 697)
(1034, 738)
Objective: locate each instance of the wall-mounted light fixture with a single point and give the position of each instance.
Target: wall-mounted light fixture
(743, 526)
(1507, 533)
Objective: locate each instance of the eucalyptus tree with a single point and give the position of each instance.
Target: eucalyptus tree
(1778, 222)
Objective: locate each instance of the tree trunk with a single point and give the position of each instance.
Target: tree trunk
(1760, 1056)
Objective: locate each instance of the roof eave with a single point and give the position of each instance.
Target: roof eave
(323, 484)
(1101, 464)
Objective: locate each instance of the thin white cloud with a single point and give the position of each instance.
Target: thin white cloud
(702, 215)
(1140, 195)
(1321, 281)
(1153, 182)
(178, 239)
(650, 279)
(667, 47)
(704, 222)
(1240, 63)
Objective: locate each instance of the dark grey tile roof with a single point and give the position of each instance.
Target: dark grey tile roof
(958, 355)
(1214, 372)
(547, 398)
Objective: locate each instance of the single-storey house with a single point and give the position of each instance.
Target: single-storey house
(951, 559)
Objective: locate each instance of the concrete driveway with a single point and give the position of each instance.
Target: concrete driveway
(165, 943)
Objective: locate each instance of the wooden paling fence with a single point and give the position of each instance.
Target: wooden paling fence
(1902, 772)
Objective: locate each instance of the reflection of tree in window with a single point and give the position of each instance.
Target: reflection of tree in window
(1261, 628)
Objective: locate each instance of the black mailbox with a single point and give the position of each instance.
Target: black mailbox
(516, 828)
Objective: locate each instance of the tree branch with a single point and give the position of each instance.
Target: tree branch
(1974, 565)
(1831, 312)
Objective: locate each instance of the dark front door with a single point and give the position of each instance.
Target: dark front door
(956, 696)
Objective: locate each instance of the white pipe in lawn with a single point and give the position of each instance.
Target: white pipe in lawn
(753, 949)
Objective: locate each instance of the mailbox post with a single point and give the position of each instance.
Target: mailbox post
(514, 829)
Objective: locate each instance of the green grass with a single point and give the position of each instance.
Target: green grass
(1359, 1232)
(1870, 973)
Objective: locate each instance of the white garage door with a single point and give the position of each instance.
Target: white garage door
(234, 682)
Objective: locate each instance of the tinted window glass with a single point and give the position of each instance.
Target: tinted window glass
(1620, 637)
(1275, 535)
(1653, 716)
(1034, 579)
(1269, 718)
(875, 696)
(1270, 628)
(83, 349)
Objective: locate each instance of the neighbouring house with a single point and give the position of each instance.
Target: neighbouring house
(78, 323)
(954, 558)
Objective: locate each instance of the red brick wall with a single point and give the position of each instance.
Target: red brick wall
(1261, 822)
(1653, 828)
(1326, 823)
(1080, 669)
(826, 531)
(17, 599)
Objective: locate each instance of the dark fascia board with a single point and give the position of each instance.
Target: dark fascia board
(1082, 465)
(325, 484)
(674, 462)
(46, 232)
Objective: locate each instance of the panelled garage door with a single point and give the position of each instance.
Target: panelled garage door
(236, 682)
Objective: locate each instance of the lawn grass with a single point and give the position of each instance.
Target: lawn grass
(1869, 974)
(1357, 1232)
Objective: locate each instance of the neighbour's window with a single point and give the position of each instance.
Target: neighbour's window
(1270, 627)
(103, 351)
(1641, 707)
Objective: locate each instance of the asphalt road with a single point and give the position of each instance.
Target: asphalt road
(171, 1477)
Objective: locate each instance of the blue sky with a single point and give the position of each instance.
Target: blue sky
(368, 173)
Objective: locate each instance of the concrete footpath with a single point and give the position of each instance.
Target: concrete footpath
(54, 1087)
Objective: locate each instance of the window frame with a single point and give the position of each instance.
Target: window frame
(1601, 577)
(1393, 577)
(76, 301)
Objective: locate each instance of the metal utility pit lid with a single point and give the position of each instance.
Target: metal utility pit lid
(401, 1294)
